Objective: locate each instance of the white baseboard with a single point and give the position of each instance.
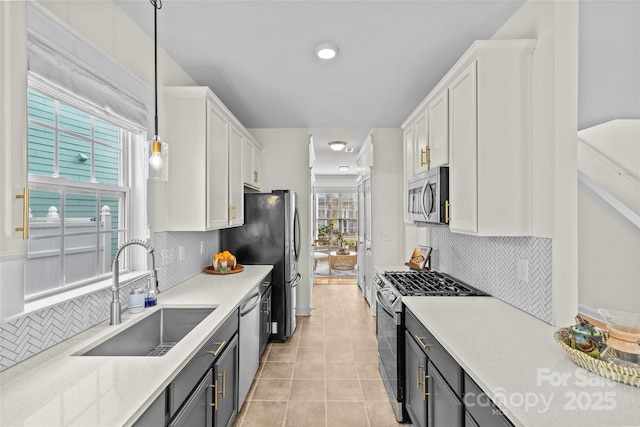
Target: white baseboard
(303, 310)
(591, 312)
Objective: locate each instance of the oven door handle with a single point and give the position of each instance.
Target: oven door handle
(384, 306)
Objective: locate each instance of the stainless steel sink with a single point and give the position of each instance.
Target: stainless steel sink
(154, 335)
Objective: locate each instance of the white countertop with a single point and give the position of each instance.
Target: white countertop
(58, 388)
(514, 358)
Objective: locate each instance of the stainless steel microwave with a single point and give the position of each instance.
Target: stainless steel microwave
(428, 198)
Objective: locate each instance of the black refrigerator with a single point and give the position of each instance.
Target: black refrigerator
(271, 235)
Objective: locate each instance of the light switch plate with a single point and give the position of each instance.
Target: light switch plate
(522, 270)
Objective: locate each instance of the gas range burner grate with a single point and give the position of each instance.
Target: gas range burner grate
(429, 283)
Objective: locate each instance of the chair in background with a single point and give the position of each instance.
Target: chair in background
(321, 252)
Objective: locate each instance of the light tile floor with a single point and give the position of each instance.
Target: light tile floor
(326, 374)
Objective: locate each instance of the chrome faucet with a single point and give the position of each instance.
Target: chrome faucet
(115, 270)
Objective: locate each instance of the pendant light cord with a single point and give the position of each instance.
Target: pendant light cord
(157, 4)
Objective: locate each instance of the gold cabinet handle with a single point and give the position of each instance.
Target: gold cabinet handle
(447, 205)
(425, 156)
(418, 367)
(224, 384)
(217, 350)
(215, 396)
(25, 213)
(424, 387)
(232, 212)
(216, 392)
(255, 176)
(422, 343)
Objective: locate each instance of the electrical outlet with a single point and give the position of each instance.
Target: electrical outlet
(522, 270)
(181, 254)
(168, 256)
(201, 247)
(385, 237)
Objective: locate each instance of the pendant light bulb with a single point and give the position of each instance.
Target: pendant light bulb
(155, 160)
(158, 151)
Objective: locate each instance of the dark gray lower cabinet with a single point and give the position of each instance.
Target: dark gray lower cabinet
(155, 415)
(214, 401)
(435, 385)
(225, 386)
(197, 410)
(205, 392)
(415, 392)
(444, 407)
(480, 410)
(265, 316)
(429, 400)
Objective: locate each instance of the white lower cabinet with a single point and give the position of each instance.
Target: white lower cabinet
(205, 184)
(490, 140)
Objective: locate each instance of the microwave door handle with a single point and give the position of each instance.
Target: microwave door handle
(423, 200)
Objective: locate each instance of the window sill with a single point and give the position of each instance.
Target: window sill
(44, 303)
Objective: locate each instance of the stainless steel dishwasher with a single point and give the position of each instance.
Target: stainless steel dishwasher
(249, 343)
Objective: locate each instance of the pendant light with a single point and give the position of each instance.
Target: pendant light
(158, 150)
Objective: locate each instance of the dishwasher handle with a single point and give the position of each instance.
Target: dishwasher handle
(250, 304)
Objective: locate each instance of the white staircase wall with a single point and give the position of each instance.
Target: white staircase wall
(608, 216)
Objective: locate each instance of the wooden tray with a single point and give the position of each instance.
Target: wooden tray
(209, 269)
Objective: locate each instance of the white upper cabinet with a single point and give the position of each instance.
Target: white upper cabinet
(204, 190)
(421, 160)
(478, 122)
(409, 156)
(216, 179)
(463, 195)
(13, 125)
(14, 213)
(438, 131)
(490, 138)
(236, 188)
(252, 163)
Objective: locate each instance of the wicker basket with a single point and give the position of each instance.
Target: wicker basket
(606, 369)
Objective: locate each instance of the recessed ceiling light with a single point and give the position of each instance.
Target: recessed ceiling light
(337, 145)
(344, 168)
(326, 51)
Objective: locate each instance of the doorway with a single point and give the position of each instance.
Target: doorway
(335, 235)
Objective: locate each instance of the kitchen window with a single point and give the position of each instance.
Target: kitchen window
(80, 180)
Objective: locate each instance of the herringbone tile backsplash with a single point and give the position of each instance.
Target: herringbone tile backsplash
(30, 334)
(490, 264)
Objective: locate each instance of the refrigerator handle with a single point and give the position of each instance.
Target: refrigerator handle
(295, 282)
(296, 234)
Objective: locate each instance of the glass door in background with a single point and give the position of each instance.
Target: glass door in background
(336, 225)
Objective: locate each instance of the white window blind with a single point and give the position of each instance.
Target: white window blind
(64, 59)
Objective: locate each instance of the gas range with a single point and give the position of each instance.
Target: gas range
(390, 330)
(393, 285)
(429, 283)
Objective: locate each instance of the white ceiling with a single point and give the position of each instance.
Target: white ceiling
(258, 57)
